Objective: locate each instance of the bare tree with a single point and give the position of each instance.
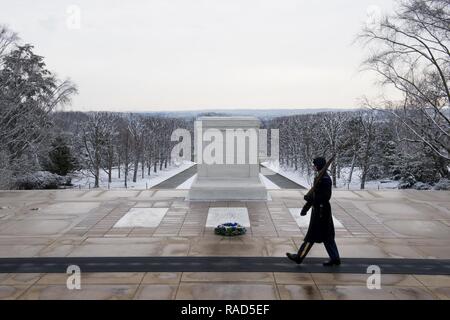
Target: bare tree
(97, 135)
(367, 123)
(7, 39)
(333, 125)
(410, 50)
(137, 130)
(125, 147)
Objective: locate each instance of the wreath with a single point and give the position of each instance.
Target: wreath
(230, 229)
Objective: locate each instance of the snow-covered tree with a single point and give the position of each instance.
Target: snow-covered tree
(29, 92)
(410, 52)
(96, 137)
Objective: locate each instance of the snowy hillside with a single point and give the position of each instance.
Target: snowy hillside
(342, 182)
(84, 180)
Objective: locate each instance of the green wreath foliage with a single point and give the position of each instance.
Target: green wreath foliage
(230, 229)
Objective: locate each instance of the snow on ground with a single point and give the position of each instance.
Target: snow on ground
(83, 179)
(267, 183)
(289, 173)
(342, 182)
(355, 184)
(188, 183)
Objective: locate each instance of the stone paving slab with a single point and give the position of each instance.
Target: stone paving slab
(69, 223)
(169, 286)
(403, 215)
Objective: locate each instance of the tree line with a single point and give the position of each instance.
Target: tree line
(135, 144)
(406, 139)
(374, 141)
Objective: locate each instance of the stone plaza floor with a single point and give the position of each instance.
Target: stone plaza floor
(84, 223)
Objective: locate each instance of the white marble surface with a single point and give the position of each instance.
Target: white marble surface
(267, 183)
(233, 173)
(220, 215)
(303, 221)
(142, 217)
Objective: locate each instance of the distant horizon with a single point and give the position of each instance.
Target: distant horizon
(157, 55)
(151, 110)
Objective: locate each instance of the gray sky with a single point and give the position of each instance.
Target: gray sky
(196, 54)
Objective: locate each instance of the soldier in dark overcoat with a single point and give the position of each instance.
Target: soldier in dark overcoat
(321, 227)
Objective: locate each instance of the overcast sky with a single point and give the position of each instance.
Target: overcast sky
(148, 55)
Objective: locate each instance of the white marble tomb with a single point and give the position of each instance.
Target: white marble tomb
(231, 171)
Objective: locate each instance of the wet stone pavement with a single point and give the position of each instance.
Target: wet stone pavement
(79, 223)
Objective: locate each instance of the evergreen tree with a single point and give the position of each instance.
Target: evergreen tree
(390, 158)
(61, 160)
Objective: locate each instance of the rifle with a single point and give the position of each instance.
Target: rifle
(319, 176)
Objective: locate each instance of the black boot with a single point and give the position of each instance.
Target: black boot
(302, 252)
(331, 263)
(294, 257)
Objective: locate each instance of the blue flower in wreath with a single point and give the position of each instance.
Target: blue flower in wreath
(230, 229)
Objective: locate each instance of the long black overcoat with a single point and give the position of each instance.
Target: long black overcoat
(321, 227)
